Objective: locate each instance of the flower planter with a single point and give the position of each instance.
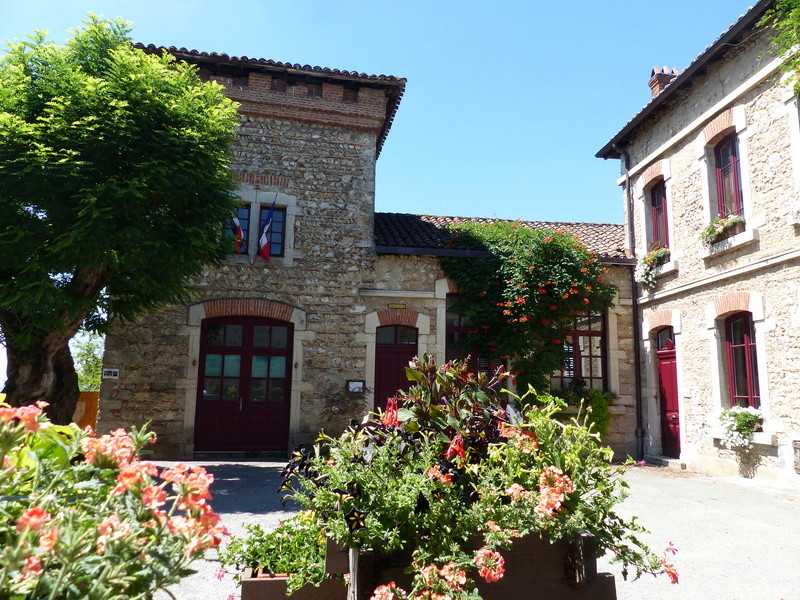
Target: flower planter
(730, 232)
(263, 586)
(534, 568)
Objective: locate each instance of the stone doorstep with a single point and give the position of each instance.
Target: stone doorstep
(664, 461)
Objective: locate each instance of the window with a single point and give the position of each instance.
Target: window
(278, 85)
(457, 327)
(658, 215)
(314, 90)
(277, 230)
(585, 356)
(740, 345)
(729, 179)
(350, 95)
(243, 216)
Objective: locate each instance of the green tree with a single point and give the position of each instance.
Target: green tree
(114, 183)
(524, 294)
(87, 351)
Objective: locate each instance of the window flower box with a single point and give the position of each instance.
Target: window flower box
(722, 228)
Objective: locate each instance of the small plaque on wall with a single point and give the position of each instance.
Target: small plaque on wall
(355, 386)
(397, 306)
(110, 373)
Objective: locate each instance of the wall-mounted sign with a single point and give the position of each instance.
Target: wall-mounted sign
(355, 386)
(397, 306)
(110, 373)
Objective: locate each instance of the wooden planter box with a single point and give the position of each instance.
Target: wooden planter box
(535, 569)
(261, 586)
(736, 229)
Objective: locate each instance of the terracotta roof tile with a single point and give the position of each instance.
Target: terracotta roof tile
(397, 233)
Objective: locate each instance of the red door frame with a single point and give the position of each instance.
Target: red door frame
(241, 422)
(668, 398)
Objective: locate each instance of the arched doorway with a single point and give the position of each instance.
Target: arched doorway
(668, 393)
(244, 384)
(395, 346)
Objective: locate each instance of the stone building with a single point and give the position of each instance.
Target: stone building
(720, 320)
(270, 352)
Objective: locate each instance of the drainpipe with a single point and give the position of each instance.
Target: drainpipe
(637, 334)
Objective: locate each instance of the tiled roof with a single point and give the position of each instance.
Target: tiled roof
(397, 233)
(394, 86)
(718, 46)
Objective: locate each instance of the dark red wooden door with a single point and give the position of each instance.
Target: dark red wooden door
(244, 389)
(668, 392)
(395, 346)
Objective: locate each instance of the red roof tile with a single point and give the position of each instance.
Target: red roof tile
(397, 233)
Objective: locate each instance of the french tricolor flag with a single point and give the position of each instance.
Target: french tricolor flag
(263, 241)
(237, 231)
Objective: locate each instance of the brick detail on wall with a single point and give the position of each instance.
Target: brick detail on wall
(659, 319)
(732, 302)
(721, 123)
(248, 307)
(652, 173)
(256, 179)
(398, 316)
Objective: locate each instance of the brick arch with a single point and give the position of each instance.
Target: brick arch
(661, 319)
(719, 126)
(246, 307)
(730, 303)
(398, 316)
(651, 173)
(256, 179)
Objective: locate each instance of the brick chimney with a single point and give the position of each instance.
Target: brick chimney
(661, 78)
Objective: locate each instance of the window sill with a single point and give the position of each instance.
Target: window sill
(760, 438)
(666, 268)
(275, 261)
(748, 236)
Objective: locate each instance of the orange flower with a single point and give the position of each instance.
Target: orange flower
(48, 539)
(33, 518)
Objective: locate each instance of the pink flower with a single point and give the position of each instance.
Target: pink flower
(132, 474)
(153, 496)
(117, 445)
(31, 568)
(33, 518)
(435, 472)
(48, 539)
(390, 591)
(491, 564)
(670, 570)
(453, 576)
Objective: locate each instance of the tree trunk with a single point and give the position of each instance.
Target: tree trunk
(36, 374)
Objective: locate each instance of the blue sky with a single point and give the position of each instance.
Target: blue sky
(506, 102)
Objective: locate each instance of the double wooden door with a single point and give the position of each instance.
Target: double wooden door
(244, 385)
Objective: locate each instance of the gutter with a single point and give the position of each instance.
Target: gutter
(637, 333)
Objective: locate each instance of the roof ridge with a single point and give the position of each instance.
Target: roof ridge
(499, 219)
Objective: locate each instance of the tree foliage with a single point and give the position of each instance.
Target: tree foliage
(113, 186)
(524, 294)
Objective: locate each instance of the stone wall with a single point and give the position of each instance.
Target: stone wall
(755, 271)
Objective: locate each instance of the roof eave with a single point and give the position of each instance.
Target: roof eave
(749, 19)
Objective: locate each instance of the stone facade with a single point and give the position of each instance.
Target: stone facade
(314, 156)
(736, 86)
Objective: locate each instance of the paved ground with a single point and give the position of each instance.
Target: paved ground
(737, 539)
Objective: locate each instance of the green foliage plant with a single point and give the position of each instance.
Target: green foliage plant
(296, 547)
(784, 18)
(452, 473)
(524, 293)
(718, 226)
(114, 183)
(83, 518)
(87, 351)
(647, 265)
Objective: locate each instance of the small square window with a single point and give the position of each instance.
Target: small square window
(350, 95)
(314, 90)
(278, 85)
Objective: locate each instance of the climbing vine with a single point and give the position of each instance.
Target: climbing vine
(524, 294)
(784, 18)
